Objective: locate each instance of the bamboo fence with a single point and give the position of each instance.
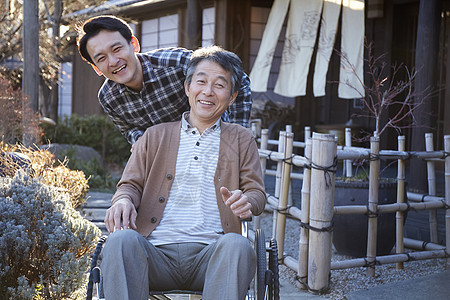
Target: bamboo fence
(318, 175)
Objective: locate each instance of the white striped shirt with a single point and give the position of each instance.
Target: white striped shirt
(191, 213)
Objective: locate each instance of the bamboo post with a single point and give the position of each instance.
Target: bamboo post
(307, 133)
(447, 195)
(284, 191)
(304, 232)
(400, 215)
(253, 130)
(373, 204)
(431, 188)
(348, 143)
(263, 146)
(323, 162)
(290, 200)
(281, 142)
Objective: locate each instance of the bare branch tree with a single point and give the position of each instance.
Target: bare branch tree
(386, 90)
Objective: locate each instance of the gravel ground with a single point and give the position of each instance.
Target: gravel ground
(345, 281)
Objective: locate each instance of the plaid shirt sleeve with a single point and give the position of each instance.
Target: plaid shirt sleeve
(130, 132)
(241, 108)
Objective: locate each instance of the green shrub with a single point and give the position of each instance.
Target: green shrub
(44, 241)
(96, 131)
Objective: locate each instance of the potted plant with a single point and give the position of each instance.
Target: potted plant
(383, 92)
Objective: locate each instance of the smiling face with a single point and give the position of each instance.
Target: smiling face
(115, 58)
(209, 94)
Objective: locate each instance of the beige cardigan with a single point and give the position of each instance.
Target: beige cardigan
(149, 173)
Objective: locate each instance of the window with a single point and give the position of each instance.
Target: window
(159, 33)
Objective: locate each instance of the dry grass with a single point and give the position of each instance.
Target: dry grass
(42, 164)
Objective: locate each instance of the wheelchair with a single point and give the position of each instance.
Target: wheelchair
(265, 285)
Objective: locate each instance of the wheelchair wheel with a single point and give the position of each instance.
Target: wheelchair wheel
(94, 260)
(274, 287)
(260, 247)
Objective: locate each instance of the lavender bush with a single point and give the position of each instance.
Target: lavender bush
(44, 242)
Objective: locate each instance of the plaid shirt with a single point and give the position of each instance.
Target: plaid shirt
(162, 98)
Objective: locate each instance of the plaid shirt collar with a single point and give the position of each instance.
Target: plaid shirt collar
(148, 74)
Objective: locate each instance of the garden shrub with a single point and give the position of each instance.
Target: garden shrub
(44, 242)
(52, 172)
(97, 176)
(96, 131)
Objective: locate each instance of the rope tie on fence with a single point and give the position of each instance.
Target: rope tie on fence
(327, 171)
(370, 213)
(446, 206)
(446, 253)
(373, 156)
(409, 207)
(410, 258)
(371, 264)
(284, 211)
(308, 165)
(319, 291)
(445, 155)
(423, 197)
(270, 155)
(323, 229)
(424, 245)
(303, 280)
(409, 156)
(288, 160)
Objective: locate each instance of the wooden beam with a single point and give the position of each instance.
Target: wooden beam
(194, 24)
(427, 48)
(232, 28)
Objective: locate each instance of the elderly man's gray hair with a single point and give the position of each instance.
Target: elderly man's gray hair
(229, 61)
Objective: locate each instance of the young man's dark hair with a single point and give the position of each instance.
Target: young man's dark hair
(94, 25)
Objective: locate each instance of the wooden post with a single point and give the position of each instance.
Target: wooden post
(373, 204)
(348, 143)
(447, 196)
(400, 215)
(431, 188)
(427, 45)
(304, 232)
(283, 200)
(194, 24)
(30, 81)
(323, 175)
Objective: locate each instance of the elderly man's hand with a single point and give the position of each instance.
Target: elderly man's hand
(237, 201)
(122, 213)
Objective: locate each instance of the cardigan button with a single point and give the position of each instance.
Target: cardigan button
(153, 220)
(169, 176)
(161, 199)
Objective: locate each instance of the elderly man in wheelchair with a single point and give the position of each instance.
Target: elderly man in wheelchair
(175, 219)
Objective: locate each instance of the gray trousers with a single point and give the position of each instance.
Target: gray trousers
(131, 266)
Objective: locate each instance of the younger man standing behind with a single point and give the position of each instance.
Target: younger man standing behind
(143, 89)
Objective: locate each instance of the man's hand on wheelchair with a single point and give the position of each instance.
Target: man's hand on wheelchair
(238, 202)
(121, 214)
